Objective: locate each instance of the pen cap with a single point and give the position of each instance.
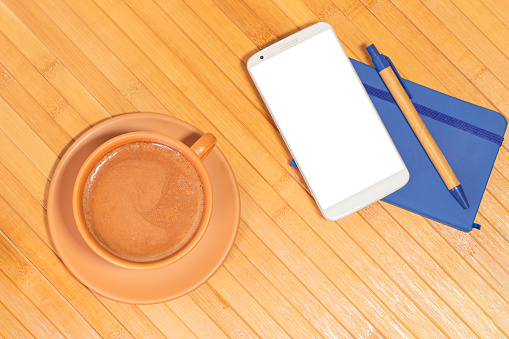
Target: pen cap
(381, 62)
(373, 52)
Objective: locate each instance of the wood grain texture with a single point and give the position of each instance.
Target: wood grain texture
(382, 272)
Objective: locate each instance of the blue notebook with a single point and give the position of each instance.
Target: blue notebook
(469, 136)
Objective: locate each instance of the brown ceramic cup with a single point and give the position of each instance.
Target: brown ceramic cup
(194, 154)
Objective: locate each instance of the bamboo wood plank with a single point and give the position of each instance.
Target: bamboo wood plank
(218, 84)
(162, 80)
(274, 237)
(42, 294)
(53, 269)
(275, 19)
(427, 53)
(283, 279)
(298, 12)
(25, 311)
(494, 243)
(478, 258)
(404, 309)
(223, 27)
(195, 318)
(372, 30)
(498, 174)
(119, 75)
(499, 186)
(400, 25)
(167, 321)
(199, 47)
(23, 169)
(248, 22)
(501, 164)
(463, 28)
(32, 113)
(41, 90)
(201, 93)
(327, 11)
(20, 133)
(137, 62)
(500, 9)
(391, 262)
(220, 311)
(423, 263)
(50, 67)
(275, 303)
(135, 321)
(472, 282)
(11, 327)
(245, 305)
(202, 66)
(24, 203)
(450, 45)
(496, 214)
(70, 56)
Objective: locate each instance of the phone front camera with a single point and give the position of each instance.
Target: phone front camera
(261, 56)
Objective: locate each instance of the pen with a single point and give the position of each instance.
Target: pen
(401, 95)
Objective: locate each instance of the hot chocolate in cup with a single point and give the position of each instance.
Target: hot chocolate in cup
(143, 200)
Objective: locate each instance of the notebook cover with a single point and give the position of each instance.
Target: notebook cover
(469, 136)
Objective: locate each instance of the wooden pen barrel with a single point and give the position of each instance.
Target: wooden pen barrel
(428, 143)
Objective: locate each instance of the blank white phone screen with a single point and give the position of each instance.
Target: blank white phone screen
(326, 118)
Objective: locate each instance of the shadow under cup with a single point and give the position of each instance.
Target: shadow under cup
(194, 155)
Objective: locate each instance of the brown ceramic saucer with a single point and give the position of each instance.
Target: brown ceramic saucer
(148, 286)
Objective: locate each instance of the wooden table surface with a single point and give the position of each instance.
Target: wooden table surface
(382, 272)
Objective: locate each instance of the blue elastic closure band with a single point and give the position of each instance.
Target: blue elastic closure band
(438, 116)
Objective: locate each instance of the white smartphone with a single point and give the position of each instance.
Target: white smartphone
(328, 121)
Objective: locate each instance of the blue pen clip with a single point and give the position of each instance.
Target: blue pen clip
(381, 62)
(397, 74)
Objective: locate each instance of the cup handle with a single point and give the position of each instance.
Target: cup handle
(204, 145)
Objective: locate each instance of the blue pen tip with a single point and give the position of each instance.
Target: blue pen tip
(373, 52)
(293, 164)
(459, 195)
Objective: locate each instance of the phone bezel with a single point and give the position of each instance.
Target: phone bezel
(364, 197)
